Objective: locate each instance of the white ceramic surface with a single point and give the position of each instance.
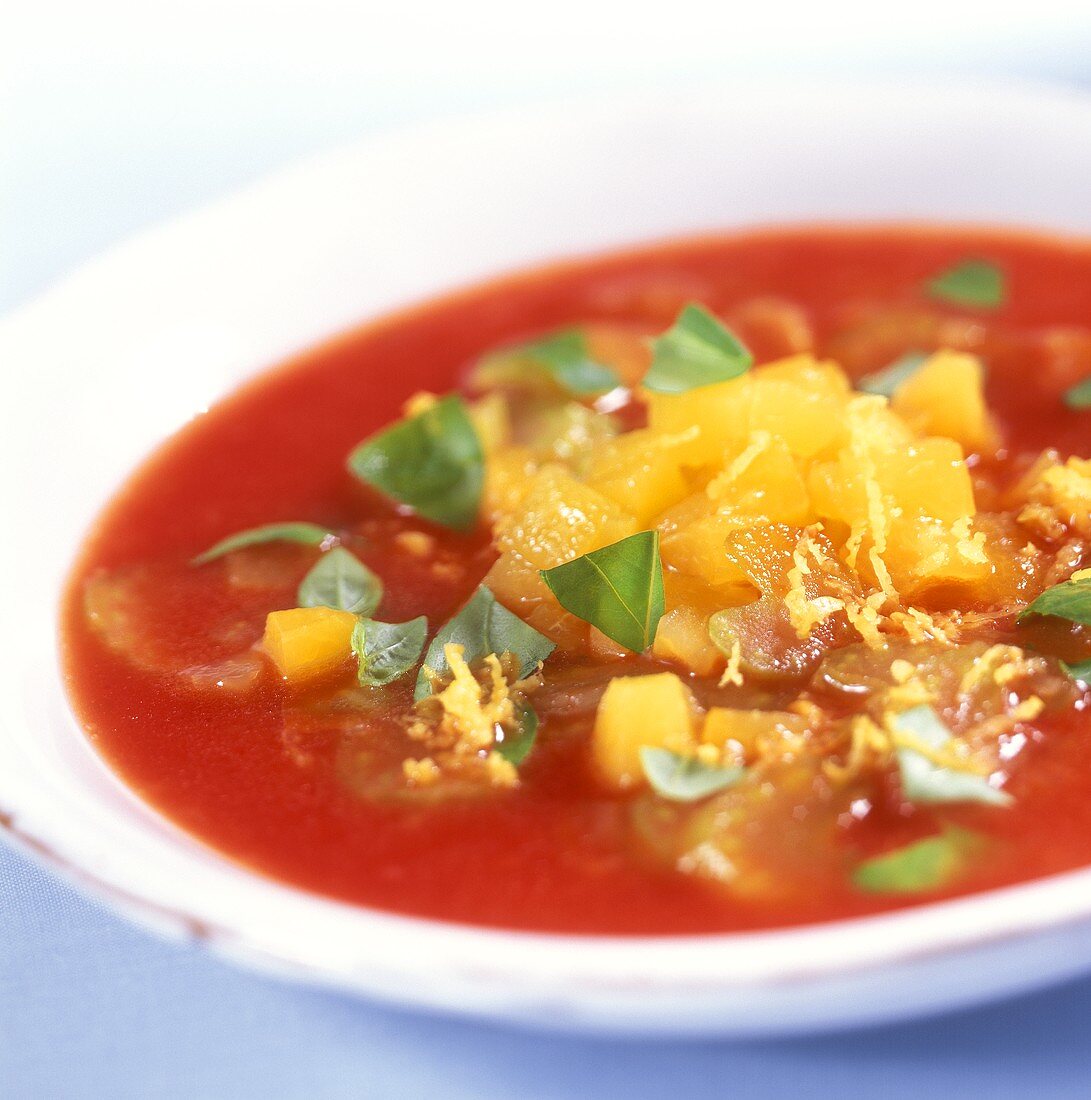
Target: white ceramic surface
(107, 363)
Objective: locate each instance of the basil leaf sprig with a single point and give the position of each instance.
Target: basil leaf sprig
(887, 380)
(1080, 671)
(1079, 396)
(514, 745)
(618, 589)
(698, 350)
(308, 534)
(387, 651)
(563, 358)
(431, 462)
(1070, 600)
(341, 581)
(925, 865)
(926, 782)
(975, 283)
(685, 778)
(481, 627)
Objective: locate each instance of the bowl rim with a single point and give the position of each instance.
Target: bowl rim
(628, 966)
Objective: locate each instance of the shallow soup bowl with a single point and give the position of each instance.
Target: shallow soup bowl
(127, 349)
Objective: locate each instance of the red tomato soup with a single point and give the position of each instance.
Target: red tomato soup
(753, 572)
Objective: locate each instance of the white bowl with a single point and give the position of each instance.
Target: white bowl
(104, 365)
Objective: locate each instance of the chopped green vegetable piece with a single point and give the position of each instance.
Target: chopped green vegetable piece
(432, 462)
(685, 778)
(974, 283)
(1081, 671)
(514, 745)
(1079, 396)
(887, 380)
(310, 534)
(696, 351)
(481, 627)
(1069, 600)
(926, 865)
(341, 581)
(562, 357)
(618, 589)
(923, 781)
(387, 651)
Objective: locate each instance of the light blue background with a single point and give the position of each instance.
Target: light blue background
(115, 116)
(92, 1007)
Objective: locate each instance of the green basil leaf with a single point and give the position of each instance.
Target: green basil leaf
(387, 651)
(923, 781)
(971, 283)
(925, 865)
(685, 778)
(341, 581)
(481, 627)
(432, 462)
(696, 351)
(1081, 671)
(310, 534)
(562, 357)
(618, 589)
(514, 745)
(1069, 600)
(887, 380)
(1079, 396)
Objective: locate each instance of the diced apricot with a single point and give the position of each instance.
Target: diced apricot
(682, 637)
(745, 730)
(802, 401)
(720, 412)
(692, 540)
(520, 588)
(559, 518)
(763, 480)
(946, 397)
(307, 642)
(636, 712)
(491, 419)
(641, 472)
(507, 477)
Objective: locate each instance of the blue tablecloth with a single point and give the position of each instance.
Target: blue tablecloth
(91, 1007)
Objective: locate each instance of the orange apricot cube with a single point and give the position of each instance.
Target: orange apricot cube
(763, 480)
(641, 472)
(307, 642)
(559, 518)
(946, 397)
(635, 712)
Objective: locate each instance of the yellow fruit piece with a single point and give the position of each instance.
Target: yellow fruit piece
(745, 731)
(507, 478)
(520, 588)
(638, 711)
(491, 419)
(720, 412)
(307, 642)
(763, 480)
(693, 535)
(946, 397)
(802, 402)
(559, 518)
(682, 635)
(641, 471)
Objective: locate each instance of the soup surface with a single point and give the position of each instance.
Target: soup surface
(724, 551)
